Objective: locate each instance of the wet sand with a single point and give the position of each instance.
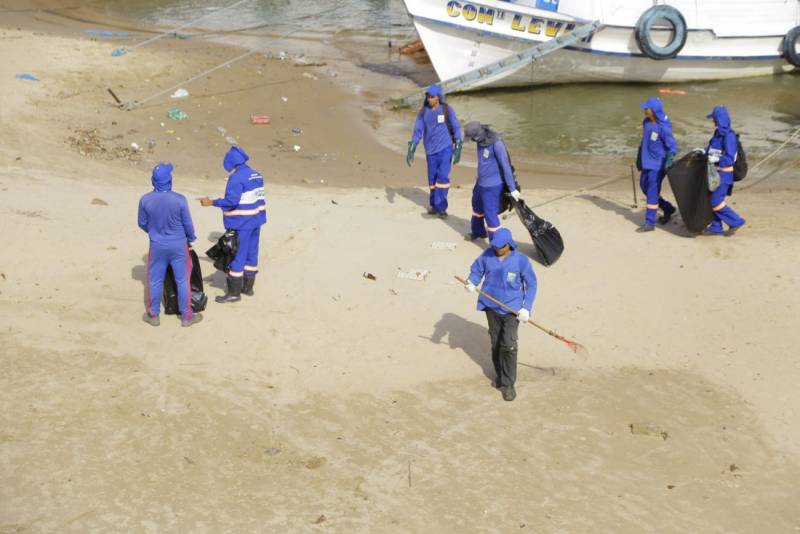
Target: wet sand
(331, 401)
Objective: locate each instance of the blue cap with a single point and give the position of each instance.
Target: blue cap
(501, 238)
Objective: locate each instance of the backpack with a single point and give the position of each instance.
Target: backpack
(446, 110)
(740, 165)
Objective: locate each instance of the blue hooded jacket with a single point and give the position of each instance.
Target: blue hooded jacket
(244, 206)
(723, 143)
(494, 165)
(657, 138)
(431, 124)
(511, 281)
(164, 214)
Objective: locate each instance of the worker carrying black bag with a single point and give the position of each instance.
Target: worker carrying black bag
(198, 296)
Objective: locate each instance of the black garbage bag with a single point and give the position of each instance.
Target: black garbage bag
(545, 236)
(224, 251)
(689, 183)
(199, 298)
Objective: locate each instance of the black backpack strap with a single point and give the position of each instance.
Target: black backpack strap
(450, 129)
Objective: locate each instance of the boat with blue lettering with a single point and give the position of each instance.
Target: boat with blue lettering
(494, 43)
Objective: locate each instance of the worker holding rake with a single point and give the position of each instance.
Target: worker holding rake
(507, 276)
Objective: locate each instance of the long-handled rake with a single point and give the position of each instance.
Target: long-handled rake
(574, 346)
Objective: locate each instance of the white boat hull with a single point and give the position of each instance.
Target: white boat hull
(456, 45)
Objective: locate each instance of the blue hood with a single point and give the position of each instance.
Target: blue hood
(436, 90)
(501, 238)
(162, 177)
(721, 119)
(657, 108)
(235, 157)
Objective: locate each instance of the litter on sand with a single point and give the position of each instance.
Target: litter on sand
(30, 77)
(296, 148)
(309, 75)
(180, 93)
(231, 140)
(260, 119)
(284, 99)
(369, 276)
(443, 245)
(414, 274)
(105, 33)
(673, 92)
(177, 114)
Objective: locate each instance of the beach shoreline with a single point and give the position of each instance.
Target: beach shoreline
(332, 400)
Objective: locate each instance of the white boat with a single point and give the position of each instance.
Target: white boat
(638, 40)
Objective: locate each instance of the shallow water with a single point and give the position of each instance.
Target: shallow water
(562, 121)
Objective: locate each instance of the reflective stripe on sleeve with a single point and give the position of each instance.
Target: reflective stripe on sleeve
(234, 213)
(652, 206)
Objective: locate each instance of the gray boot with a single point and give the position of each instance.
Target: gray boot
(247, 287)
(152, 320)
(233, 294)
(196, 318)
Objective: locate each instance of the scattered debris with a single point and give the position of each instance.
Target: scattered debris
(30, 77)
(443, 245)
(334, 203)
(231, 140)
(272, 451)
(414, 274)
(135, 146)
(316, 462)
(393, 292)
(320, 519)
(369, 276)
(151, 144)
(177, 114)
(180, 93)
(296, 148)
(648, 429)
(89, 143)
(99, 202)
(285, 99)
(105, 33)
(670, 486)
(188, 460)
(297, 131)
(412, 47)
(306, 62)
(673, 92)
(220, 129)
(309, 75)
(260, 119)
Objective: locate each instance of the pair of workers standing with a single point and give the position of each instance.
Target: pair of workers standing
(657, 151)
(164, 215)
(437, 125)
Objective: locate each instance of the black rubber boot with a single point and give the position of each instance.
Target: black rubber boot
(234, 292)
(664, 219)
(247, 287)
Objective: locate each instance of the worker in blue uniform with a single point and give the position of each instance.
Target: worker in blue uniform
(508, 277)
(657, 150)
(164, 215)
(244, 210)
(722, 151)
(437, 124)
(493, 178)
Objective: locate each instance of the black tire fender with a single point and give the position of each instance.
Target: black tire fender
(790, 46)
(644, 27)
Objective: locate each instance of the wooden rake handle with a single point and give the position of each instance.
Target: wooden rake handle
(574, 346)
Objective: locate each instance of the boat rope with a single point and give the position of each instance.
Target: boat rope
(136, 103)
(794, 135)
(121, 51)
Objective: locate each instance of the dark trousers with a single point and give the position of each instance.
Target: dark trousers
(503, 333)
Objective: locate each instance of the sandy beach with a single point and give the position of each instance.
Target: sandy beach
(333, 402)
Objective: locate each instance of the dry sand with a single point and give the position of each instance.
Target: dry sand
(333, 402)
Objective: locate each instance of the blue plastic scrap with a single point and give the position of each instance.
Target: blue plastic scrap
(105, 33)
(27, 77)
